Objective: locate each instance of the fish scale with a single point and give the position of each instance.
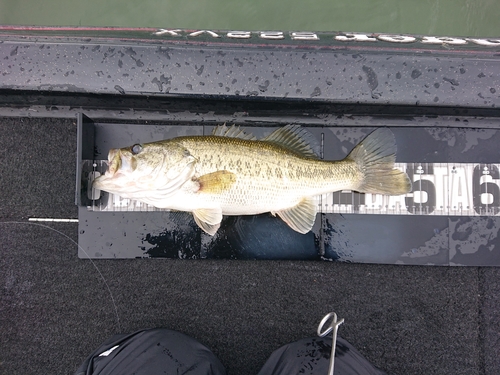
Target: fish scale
(270, 183)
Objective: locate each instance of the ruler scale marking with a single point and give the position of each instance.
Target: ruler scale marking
(444, 189)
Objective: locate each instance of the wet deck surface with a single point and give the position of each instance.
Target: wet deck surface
(55, 308)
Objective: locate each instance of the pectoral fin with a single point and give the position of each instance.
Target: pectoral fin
(301, 217)
(216, 182)
(208, 219)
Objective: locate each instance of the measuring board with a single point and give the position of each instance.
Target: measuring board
(451, 216)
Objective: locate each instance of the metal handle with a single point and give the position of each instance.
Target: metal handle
(333, 326)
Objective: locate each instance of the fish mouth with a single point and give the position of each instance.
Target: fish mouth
(120, 161)
(114, 162)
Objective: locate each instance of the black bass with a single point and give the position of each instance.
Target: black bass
(232, 173)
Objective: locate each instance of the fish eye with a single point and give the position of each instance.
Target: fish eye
(135, 149)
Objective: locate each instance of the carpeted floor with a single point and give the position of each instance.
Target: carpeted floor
(55, 308)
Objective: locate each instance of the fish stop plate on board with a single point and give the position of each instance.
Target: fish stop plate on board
(451, 216)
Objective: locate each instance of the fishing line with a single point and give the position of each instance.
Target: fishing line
(91, 261)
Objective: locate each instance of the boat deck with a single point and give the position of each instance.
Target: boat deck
(57, 307)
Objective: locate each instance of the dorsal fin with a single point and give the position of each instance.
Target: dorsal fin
(294, 138)
(232, 132)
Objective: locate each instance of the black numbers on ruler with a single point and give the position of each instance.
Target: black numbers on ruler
(486, 193)
(423, 199)
(451, 182)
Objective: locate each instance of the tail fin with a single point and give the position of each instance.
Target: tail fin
(375, 156)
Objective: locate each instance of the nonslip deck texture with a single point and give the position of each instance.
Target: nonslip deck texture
(55, 308)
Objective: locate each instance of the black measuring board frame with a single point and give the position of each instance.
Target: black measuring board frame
(418, 233)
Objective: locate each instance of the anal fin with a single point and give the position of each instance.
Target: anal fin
(301, 217)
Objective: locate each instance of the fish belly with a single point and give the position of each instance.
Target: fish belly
(254, 196)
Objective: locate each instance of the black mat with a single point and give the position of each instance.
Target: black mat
(55, 308)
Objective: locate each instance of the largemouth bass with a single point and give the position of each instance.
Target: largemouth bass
(232, 173)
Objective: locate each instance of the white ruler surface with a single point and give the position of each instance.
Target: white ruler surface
(456, 189)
